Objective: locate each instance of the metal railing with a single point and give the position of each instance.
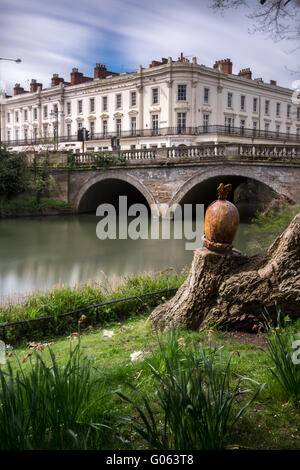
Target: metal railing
(166, 131)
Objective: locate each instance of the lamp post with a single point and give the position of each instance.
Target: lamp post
(55, 113)
(2, 96)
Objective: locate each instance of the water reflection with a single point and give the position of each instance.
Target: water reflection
(39, 253)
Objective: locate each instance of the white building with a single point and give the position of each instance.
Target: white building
(170, 103)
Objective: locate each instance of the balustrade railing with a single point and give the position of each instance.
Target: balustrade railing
(165, 131)
(204, 152)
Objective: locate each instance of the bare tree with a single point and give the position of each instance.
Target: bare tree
(279, 19)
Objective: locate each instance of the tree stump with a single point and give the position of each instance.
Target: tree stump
(232, 291)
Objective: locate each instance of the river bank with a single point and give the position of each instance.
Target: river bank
(28, 206)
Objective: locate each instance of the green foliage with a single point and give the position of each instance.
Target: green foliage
(64, 299)
(13, 173)
(25, 204)
(44, 408)
(40, 176)
(197, 400)
(274, 222)
(285, 370)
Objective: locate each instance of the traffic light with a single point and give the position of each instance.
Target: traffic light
(80, 135)
(87, 134)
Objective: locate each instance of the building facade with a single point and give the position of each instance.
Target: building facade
(170, 103)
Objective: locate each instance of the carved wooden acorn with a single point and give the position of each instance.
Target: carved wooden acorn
(221, 222)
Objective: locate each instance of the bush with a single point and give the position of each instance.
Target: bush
(13, 173)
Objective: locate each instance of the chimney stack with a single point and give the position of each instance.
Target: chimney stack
(246, 73)
(77, 77)
(56, 80)
(34, 86)
(18, 90)
(224, 65)
(100, 71)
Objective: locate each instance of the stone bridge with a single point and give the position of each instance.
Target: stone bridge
(176, 175)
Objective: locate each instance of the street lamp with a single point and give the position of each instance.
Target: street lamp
(12, 60)
(55, 113)
(3, 94)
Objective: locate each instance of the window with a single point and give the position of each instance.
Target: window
(288, 130)
(229, 100)
(92, 130)
(17, 135)
(254, 128)
(79, 108)
(277, 109)
(267, 106)
(118, 101)
(154, 124)
(254, 105)
(133, 98)
(35, 133)
(288, 111)
(277, 130)
(79, 125)
(206, 96)
(34, 113)
(298, 114)
(119, 127)
(45, 111)
(297, 133)
(8, 136)
(133, 126)
(17, 117)
(181, 122)
(104, 128)
(181, 93)
(92, 105)
(154, 95)
(68, 130)
(229, 123)
(55, 108)
(8, 117)
(243, 102)
(104, 103)
(267, 126)
(242, 126)
(45, 131)
(25, 135)
(68, 108)
(25, 115)
(205, 122)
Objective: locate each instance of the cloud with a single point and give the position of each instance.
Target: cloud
(52, 37)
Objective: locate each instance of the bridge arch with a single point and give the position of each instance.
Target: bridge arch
(119, 177)
(224, 174)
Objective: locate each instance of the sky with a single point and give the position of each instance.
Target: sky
(55, 36)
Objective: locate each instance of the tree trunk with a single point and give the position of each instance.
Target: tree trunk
(232, 291)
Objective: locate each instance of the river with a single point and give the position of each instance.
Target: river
(39, 253)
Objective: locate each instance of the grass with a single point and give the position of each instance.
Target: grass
(64, 299)
(270, 225)
(270, 422)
